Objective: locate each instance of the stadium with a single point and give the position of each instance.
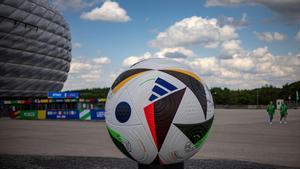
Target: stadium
(35, 49)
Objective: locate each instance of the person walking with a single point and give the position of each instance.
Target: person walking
(271, 111)
(283, 113)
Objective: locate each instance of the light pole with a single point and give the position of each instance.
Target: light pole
(297, 97)
(257, 98)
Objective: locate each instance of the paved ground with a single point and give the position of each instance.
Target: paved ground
(236, 135)
(63, 162)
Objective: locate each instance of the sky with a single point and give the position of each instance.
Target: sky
(236, 44)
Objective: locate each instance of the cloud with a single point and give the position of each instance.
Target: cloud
(269, 37)
(243, 69)
(109, 11)
(73, 4)
(248, 69)
(298, 35)
(88, 73)
(288, 10)
(194, 31)
(206, 66)
(84, 64)
(177, 53)
(134, 59)
(240, 64)
(226, 20)
(76, 45)
(78, 65)
(230, 47)
(102, 60)
(212, 3)
(278, 36)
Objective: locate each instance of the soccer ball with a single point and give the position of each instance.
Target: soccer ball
(159, 112)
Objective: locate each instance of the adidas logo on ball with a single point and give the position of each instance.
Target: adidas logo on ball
(161, 88)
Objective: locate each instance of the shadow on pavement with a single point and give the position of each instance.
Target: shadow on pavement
(65, 162)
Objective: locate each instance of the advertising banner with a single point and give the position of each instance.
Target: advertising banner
(62, 114)
(15, 114)
(62, 95)
(29, 114)
(72, 94)
(41, 114)
(97, 114)
(85, 114)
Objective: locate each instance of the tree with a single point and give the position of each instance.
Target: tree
(225, 96)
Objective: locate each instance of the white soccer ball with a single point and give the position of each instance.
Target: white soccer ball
(159, 111)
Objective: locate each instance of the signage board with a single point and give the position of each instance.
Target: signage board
(97, 114)
(63, 95)
(62, 114)
(29, 114)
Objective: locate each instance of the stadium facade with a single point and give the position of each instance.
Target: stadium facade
(35, 48)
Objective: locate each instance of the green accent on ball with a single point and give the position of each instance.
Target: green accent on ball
(146, 81)
(114, 134)
(201, 141)
(118, 141)
(197, 133)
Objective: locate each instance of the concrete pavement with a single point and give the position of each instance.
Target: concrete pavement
(236, 135)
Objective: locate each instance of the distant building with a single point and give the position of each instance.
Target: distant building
(35, 49)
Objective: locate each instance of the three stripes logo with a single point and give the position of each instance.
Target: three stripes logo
(161, 88)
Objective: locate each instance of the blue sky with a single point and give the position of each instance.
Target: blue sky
(235, 44)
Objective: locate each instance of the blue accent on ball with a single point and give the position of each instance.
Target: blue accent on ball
(159, 90)
(167, 87)
(123, 112)
(165, 84)
(152, 97)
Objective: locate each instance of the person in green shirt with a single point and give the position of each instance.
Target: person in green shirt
(271, 111)
(283, 113)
